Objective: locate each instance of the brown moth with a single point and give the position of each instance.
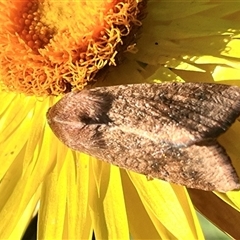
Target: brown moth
(166, 131)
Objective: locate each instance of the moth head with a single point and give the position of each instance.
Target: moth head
(75, 118)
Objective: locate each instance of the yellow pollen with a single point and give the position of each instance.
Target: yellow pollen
(52, 47)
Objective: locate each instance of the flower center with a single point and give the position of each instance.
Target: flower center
(56, 46)
(30, 27)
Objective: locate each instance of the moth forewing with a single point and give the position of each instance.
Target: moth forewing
(167, 131)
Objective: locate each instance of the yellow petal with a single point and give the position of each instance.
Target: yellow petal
(53, 203)
(26, 217)
(78, 214)
(108, 213)
(165, 205)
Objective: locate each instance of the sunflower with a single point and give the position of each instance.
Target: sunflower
(48, 48)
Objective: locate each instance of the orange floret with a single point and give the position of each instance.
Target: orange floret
(52, 47)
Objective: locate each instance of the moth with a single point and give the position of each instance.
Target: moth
(167, 131)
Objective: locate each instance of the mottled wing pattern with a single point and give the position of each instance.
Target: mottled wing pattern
(167, 131)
